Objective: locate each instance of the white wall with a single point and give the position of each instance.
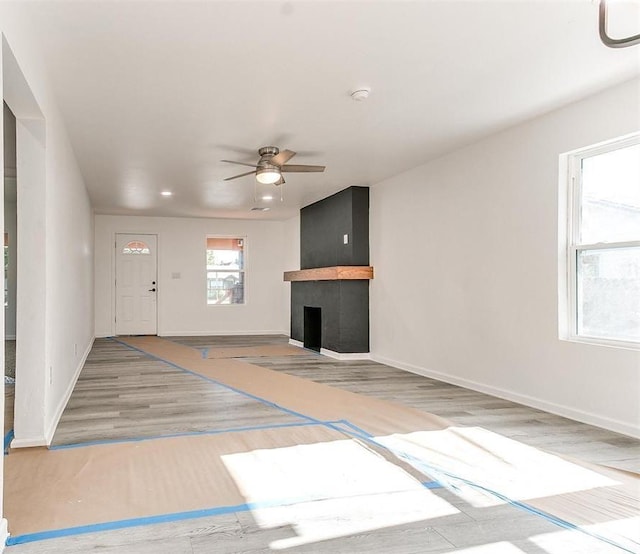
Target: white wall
(182, 307)
(55, 242)
(465, 250)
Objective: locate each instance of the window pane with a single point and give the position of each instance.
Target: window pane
(136, 247)
(611, 196)
(609, 293)
(225, 287)
(224, 259)
(225, 253)
(225, 270)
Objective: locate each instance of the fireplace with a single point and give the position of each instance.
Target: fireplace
(330, 292)
(312, 328)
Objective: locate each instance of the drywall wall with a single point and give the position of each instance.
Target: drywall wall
(181, 301)
(55, 240)
(465, 249)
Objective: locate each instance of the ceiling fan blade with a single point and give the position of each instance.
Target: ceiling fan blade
(302, 168)
(239, 163)
(282, 158)
(241, 175)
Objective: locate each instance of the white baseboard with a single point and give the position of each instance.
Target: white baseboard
(207, 333)
(4, 534)
(65, 397)
(29, 443)
(345, 355)
(557, 409)
(220, 333)
(336, 355)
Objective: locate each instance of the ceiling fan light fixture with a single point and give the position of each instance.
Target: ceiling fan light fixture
(268, 176)
(361, 94)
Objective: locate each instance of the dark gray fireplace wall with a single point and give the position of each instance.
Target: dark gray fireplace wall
(324, 224)
(344, 303)
(345, 313)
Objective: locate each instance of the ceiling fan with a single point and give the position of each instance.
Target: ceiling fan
(272, 165)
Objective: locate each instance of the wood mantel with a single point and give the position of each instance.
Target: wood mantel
(335, 273)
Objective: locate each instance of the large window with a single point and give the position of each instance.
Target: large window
(225, 270)
(604, 243)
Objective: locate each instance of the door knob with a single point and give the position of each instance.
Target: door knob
(152, 290)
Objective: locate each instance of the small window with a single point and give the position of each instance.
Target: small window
(225, 270)
(604, 243)
(136, 247)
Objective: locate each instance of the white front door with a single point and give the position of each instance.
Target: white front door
(136, 284)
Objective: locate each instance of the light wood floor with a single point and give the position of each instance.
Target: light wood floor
(122, 393)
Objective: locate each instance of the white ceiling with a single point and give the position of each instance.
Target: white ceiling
(155, 94)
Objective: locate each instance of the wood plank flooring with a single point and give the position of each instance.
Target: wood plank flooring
(466, 407)
(122, 393)
(10, 358)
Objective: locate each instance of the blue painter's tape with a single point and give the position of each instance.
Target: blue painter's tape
(190, 434)
(124, 523)
(7, 441)
(205, 353)
(431, 485)
(356, 428)
(224, 385)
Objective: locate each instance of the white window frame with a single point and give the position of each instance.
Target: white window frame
(243, 270)
(570, 212)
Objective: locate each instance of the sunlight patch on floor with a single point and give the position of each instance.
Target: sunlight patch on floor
(574, 542)
(509, 467)
(491, 548)
(330, 490)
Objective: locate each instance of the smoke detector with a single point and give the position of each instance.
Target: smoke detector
(361, 94)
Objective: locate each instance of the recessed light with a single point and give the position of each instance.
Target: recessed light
(267, 197)
(166, 193)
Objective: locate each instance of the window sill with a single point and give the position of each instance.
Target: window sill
(624, 345)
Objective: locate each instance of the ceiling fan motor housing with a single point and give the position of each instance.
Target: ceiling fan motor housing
(269, 151)
(265, 165)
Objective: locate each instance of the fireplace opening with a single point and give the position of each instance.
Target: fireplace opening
(312, 328)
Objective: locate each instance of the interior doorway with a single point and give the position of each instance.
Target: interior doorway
(136, 284)
(10, 268)
(10, 243)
